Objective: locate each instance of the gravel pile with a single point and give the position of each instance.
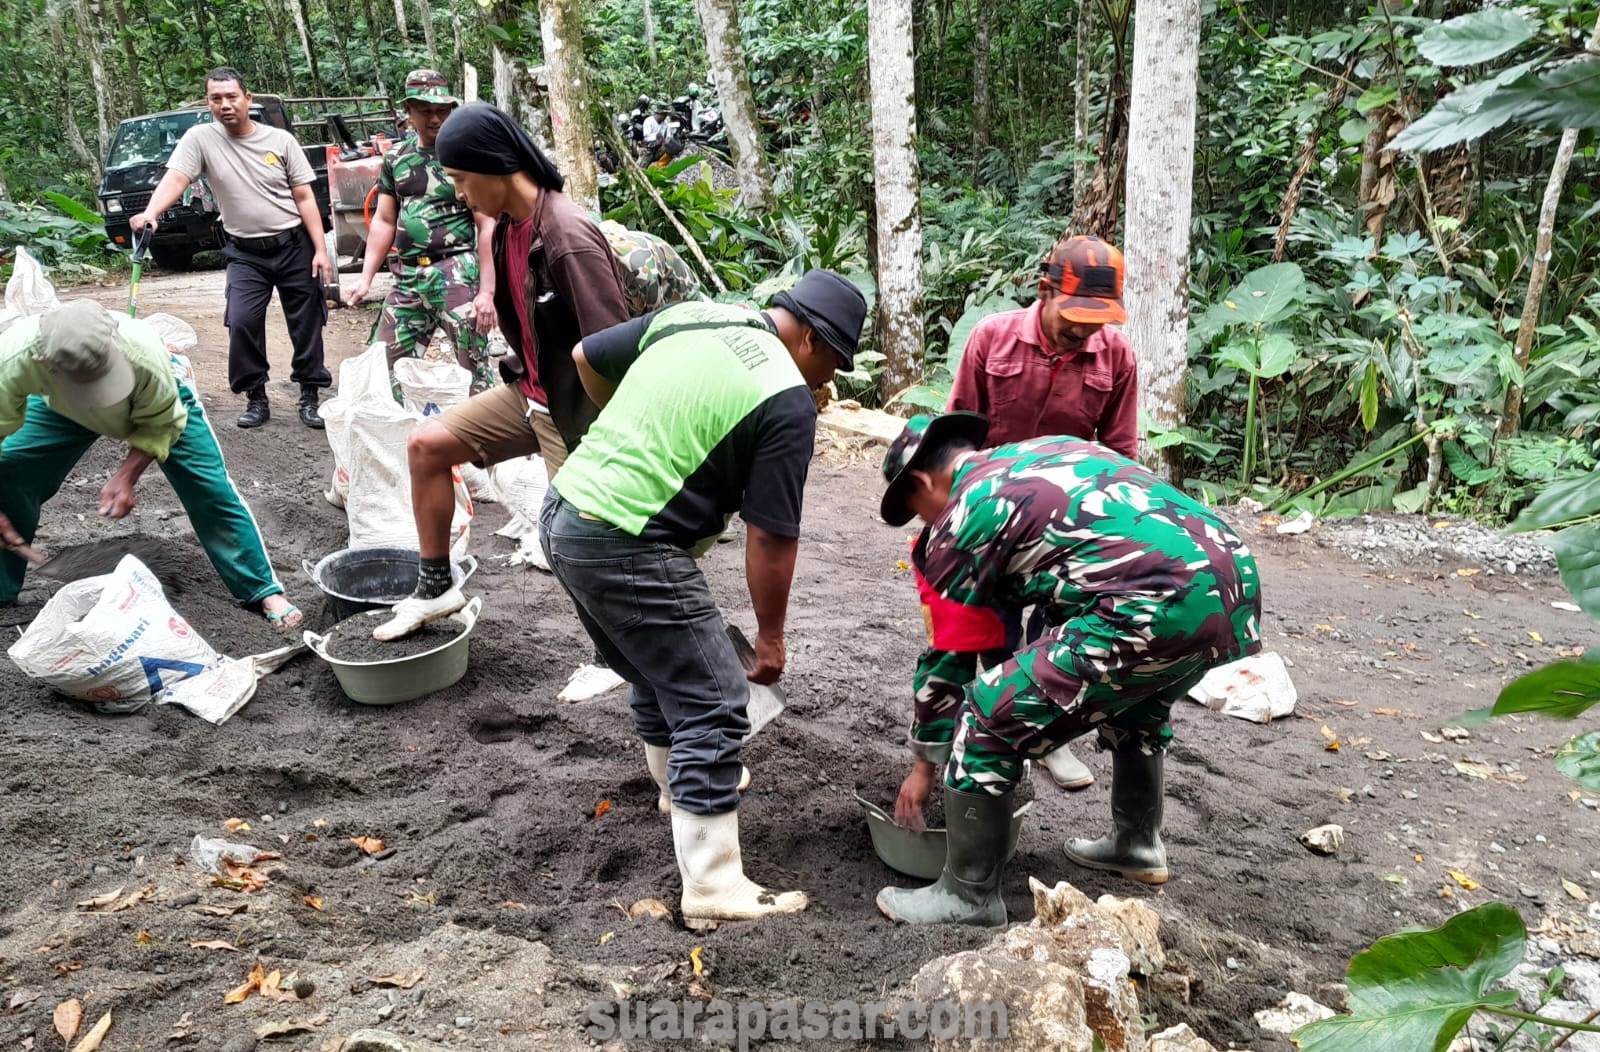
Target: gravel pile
(1386, 540)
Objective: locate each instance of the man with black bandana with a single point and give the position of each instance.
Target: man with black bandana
(706, 409)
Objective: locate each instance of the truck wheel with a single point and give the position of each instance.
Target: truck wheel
(173, 258)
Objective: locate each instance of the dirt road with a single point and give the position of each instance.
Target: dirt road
(503, 889)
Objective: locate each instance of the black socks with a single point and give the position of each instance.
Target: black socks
(433, 578)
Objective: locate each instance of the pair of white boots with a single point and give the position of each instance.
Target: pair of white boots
(715, 888)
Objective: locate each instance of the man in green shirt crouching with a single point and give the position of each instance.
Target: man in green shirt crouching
(76, 374)
(706, 410)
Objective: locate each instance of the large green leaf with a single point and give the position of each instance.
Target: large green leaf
(1563, 691)
(1473, 38)
(1579, 760)
(1369, 397)
(1566, 501)
(1417, 989)
(1578, 556)
(1267, 294)
(72, 208)
(962, 332)
(1463, 114)
(1567, 96)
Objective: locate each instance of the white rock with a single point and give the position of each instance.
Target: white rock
(1299, 524)
(1323, 840)
(1292, 1013)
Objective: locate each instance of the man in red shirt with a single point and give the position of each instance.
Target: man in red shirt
(1055, 369)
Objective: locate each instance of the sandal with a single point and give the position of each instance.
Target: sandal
(288, 620)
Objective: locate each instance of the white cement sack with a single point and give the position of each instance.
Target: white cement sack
(428, 388)
(219, 692)
(178, 334)
(28, 291)
(1256, 688)
(113, 640)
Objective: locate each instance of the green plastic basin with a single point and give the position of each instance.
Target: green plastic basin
(406, 678)
(920, 854)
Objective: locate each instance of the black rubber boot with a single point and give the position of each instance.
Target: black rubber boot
(308, 407)
(968, 891)
(256, 410)
(1134, 848)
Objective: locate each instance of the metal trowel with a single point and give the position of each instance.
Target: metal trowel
(765, 702)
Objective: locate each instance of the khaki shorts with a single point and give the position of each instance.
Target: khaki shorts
(500, 424)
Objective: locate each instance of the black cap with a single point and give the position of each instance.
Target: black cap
(832, 306)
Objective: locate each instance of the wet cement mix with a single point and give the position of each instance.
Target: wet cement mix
(517, 830)
(351, 640)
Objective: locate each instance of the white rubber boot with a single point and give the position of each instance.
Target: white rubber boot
(714, 885)
(590, 681)
(655, 758)
(412, 613)
(1067, 770)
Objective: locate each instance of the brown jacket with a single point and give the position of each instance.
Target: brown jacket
(574, 288)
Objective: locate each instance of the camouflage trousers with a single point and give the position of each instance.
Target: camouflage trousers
(1117, 675)
(437, 296)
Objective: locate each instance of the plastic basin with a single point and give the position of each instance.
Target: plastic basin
(920, 854)
(405, 678)
(357, 579)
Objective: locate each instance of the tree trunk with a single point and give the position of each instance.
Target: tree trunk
(650, 31)
(130, 58)
(981, 102)
(74, 135)
(1308, 158)
(460, 46)
(302, 23)
(429, 39)
(400, 21)
(375, 38)
(571, 128)
(891, 68)
(203, 24)
(89, 41)
(343, 29)
(719, 20)
(1096, 210)
(1166, 60)
(281, 38)
(1511, 419)
(1080, 101)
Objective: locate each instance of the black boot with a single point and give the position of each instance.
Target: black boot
(1134, 848)
(308, 407)
(256, 410)
(968, 891)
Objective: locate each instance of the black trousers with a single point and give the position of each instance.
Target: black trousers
(251, 279)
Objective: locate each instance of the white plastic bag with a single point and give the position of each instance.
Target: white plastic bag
(430, 387)
(177, 334)
(113, 640)
(522, 484)
(219, 692)
(28, 291)
(367, 431)
(1256, 688)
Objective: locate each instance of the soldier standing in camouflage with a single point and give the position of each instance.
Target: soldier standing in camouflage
(1143, 589)
(445, 275)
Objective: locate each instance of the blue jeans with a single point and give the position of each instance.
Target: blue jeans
(649, 611)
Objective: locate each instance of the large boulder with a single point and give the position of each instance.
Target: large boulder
(1044, 1001)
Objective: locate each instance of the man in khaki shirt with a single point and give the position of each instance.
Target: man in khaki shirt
(262, 182)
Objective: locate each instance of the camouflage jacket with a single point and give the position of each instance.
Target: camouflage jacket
(432, 223)
(1073, 527)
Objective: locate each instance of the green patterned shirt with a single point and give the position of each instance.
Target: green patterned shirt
(431, 223)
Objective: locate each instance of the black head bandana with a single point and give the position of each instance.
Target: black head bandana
(481, 139)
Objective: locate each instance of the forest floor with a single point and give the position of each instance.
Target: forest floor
(500, 914)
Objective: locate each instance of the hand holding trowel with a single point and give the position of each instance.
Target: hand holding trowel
(766, 701)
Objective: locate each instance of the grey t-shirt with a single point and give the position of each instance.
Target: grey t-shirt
(252, 176)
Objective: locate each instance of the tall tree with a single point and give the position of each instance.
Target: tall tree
(1539, 272)
(375, 36)
(93, 50)
(400, 21)
(982, 105)
(426, 6)
(892, 78)
(649, 31)
(130, 58)
(302, 25)
(1166, 61)
(1095, 210)
(69, 120)
(1081, 67)
(571, 128)
(719, 20)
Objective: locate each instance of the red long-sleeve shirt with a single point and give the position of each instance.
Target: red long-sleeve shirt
(1026, 390)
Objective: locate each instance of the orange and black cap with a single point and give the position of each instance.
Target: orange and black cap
(1085, 275)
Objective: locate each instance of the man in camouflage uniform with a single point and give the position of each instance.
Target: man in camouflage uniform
(1143, 588)
(445, 274)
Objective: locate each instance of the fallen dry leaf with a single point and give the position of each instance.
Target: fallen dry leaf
(370, 844)
(1432, 738)
(1329, 733)
(319, 823)
(1474, 770)
(224, 911)
(607, 937)
(100, 902)
(92, 1039)
(1574, 890)
(144, 938)
(241, 876)
(67, 967)
(314, 901)
(212, 944)
(652, 908)
(116, 901)
(236, 825)
(1466, 882)
(694, 961)
(430, 899)
(400, 979)
(67, 1018)
(601, 808)
(512, 904)
(20, 1000)
(1388, 712)
(1536, 637)
(268, 1031)
(272, 988)
(251, 984)
(1467, 571)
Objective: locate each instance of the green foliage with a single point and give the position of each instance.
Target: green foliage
(1563, 691)
(1476, 37)
(1417, 989)
(1579, 760)
(73, 246)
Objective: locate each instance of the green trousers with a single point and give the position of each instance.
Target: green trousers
(38, 457)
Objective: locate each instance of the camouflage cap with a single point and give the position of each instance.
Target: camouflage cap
(922, 432)
(428, 85)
